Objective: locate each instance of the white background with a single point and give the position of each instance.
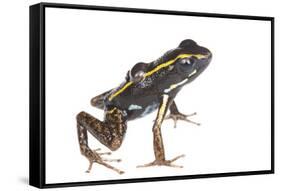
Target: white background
(14, 96)
(86, 55)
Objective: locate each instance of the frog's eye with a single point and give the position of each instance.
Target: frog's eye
(188, 61)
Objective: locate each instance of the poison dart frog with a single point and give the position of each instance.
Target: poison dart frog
(147, 87)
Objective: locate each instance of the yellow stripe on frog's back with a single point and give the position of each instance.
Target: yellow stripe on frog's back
(120, 90)
(149, 73)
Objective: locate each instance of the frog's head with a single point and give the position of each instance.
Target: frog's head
(174, 69)
(191, 59)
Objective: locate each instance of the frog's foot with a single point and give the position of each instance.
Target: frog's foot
(163, 163)
(94, 157)
(179, 116)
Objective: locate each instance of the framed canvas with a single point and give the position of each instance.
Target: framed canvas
(192, 92)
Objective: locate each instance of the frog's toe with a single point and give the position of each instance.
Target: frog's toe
(179, 116)
(111, 160)
(163, 163)
(101, 153)
(105, 153)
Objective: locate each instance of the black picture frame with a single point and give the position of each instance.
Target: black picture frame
(37, 143)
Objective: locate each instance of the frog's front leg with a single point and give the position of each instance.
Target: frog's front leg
(175, 115)
(109, 132)
(157, 137)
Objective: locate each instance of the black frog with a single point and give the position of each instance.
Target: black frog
(147, 87)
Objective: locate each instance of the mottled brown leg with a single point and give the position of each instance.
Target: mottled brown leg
(175, 115)
(158, 145)
(110, 132)
(98, 100)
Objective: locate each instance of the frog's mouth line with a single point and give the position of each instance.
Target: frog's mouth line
(173, 86)
(192, 73)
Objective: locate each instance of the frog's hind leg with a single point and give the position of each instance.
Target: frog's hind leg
(110, 132)
(158, 144)
(175, 115)
(98, 100)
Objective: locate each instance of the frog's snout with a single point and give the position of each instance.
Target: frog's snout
(209, 57)
(203, 63)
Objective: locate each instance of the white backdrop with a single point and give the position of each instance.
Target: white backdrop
(89, 52)
(14, 65)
